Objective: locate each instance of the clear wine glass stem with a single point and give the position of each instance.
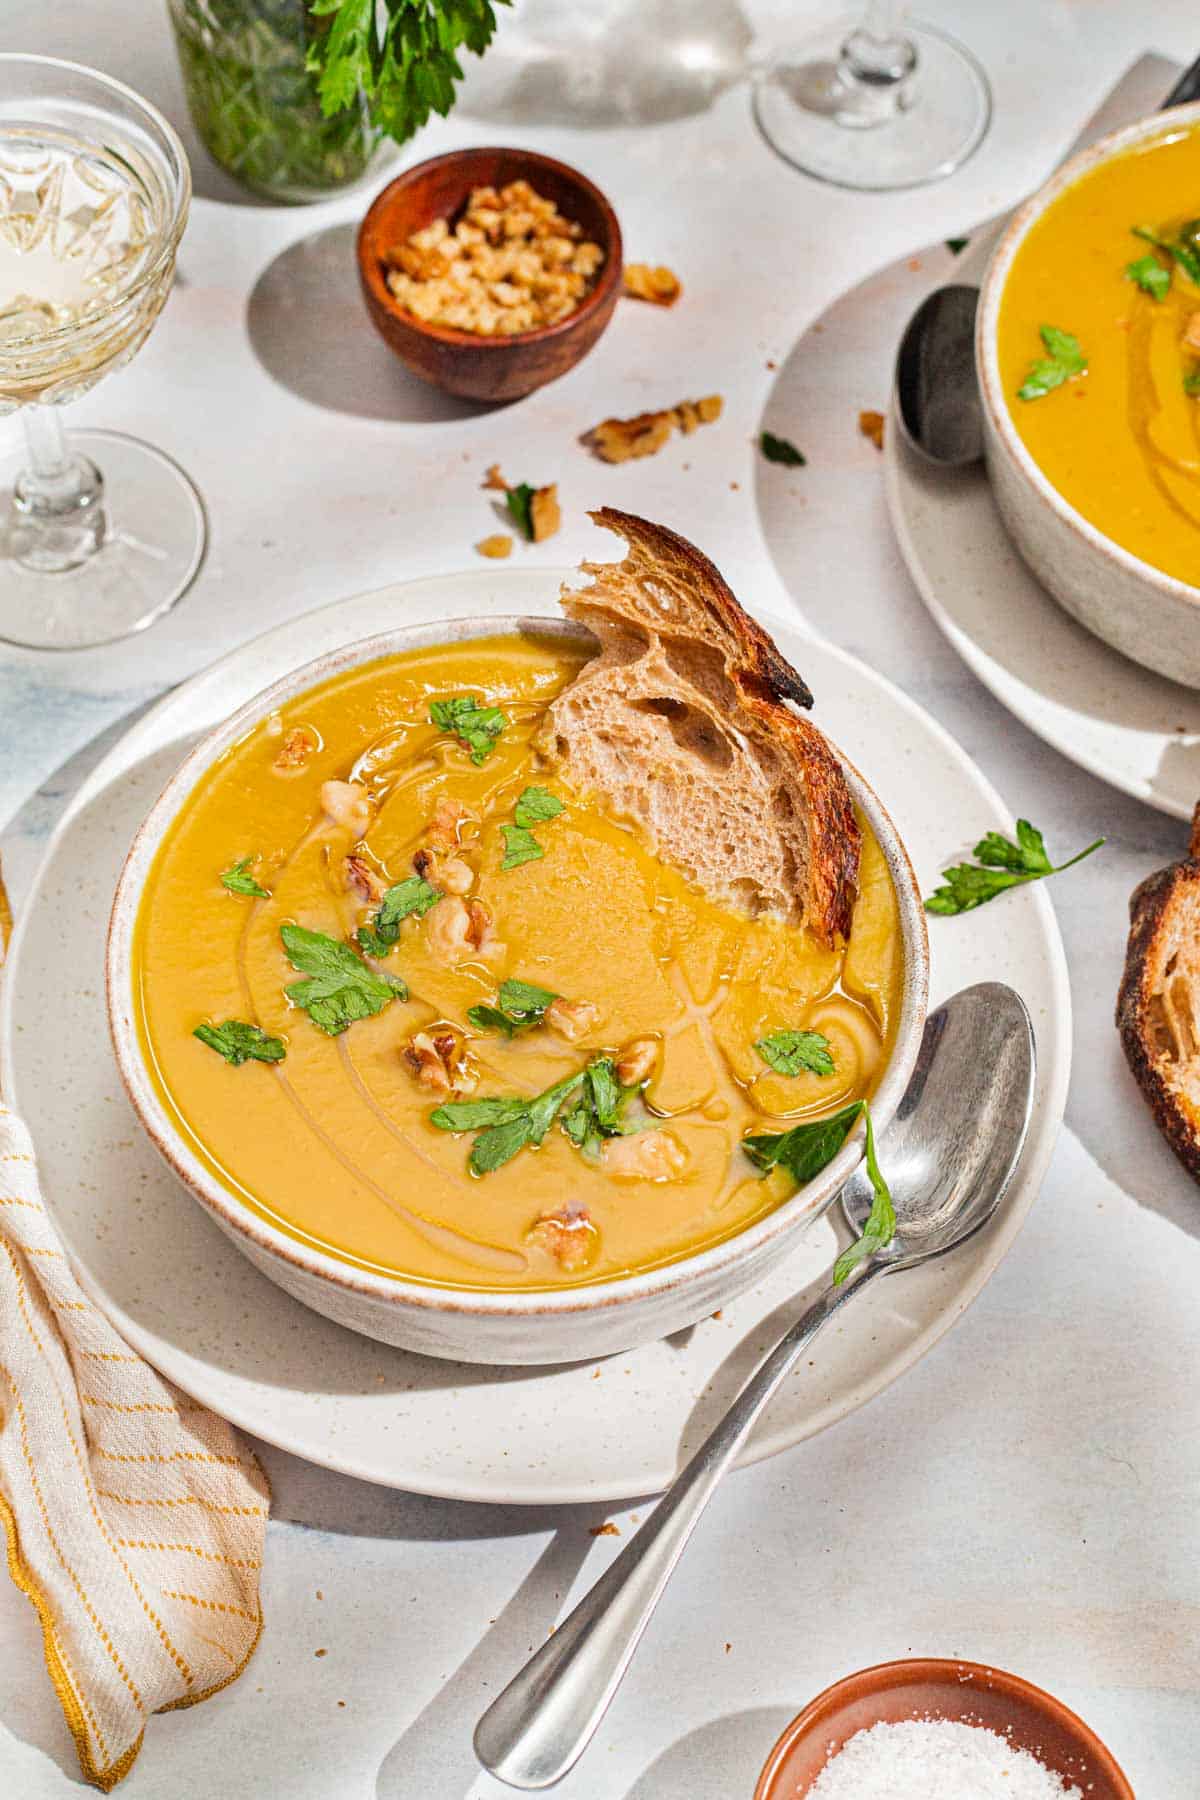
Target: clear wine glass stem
(877, 67)
(58, 498)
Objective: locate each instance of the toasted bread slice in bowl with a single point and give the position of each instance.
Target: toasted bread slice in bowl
(593, 1312)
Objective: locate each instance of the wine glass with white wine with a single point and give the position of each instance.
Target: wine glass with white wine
(875, 102)
(99, 533)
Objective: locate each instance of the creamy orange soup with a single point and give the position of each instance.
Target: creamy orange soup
(337, 1140)
(1119, 438)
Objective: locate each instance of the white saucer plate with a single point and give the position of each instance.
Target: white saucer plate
(186, 1298)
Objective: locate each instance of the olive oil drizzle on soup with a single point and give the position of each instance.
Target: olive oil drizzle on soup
(1121, 441)
(335, 1143)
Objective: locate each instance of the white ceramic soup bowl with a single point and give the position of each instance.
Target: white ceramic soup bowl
(1152, 617)
(466, 1324)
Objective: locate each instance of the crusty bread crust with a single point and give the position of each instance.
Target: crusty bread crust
(1158, 1004)
(682, 722)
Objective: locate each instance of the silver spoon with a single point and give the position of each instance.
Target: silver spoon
(948, 1156)
(937, 387)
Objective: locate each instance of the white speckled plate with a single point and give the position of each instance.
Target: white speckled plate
(187, 1299)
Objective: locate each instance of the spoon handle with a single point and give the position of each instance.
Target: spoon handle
(543, 1721)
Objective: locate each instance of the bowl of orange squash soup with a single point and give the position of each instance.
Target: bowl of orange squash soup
(1089, 357)
(360, 1112)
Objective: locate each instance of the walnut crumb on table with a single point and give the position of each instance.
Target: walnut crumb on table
(660, 285)
(870, 424)
(499, 544)
(620, 440)
(608, 1529)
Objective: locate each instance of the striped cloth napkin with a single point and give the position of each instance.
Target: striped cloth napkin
(135, 1519)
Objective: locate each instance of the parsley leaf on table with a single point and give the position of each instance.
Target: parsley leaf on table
(341, 987)
(1063, 361)
(519, 501)
(402, 54)
(788, 1052)
(1148, 273)
(415, 895)
(238, 1042)
(476, 726)
(956, 246)
(781, 450)
(1000, 864)
(238, 880)
(520, 1005)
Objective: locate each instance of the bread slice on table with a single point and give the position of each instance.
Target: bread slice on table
(683, 723)
(1158, 1007)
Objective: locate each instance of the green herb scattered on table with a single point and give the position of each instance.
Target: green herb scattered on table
(239, 880)
(477, 727)
(238, 1042)
(1148, 274)
(806, 1149)
(519, 501)
(789, 1052)
(1000, 864)
(1064, 360)
(956, 246)
(341, 988)
(413, 896)
(520, 1005)
(781, 450)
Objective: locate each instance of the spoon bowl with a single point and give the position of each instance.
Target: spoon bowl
(937, 387)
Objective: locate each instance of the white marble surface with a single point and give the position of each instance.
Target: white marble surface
(1027, 1495)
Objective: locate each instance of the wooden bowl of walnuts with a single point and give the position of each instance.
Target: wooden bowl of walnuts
(490, 272)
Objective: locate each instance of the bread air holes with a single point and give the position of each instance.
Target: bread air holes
(693, 731)
(1173, 1022)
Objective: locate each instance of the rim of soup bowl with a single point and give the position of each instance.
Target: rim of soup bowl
(411, 1292)
(1176, 120)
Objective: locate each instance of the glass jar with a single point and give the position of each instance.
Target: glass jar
(255, 103)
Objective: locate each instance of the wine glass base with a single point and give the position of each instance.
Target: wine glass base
(815, 122)
(154, 541)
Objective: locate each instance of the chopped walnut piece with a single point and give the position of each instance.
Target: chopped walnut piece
(297, 746)
(495, 480)
(498, 545)
(570, 1019)
(608, 1529)
(449, 816)
(567, 1235)
(661, 286)
(456, 929)
(871, 423)
(637, 1061)
(481, 932)
(348, 805)
(545, 514)
(438, 1059)
(363, 880)
(646, 1156)
(619, 440)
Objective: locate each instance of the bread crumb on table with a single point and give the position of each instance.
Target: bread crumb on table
(660, 285)
(620, 440)
(497, 545)
(608, 1529)
(870, 424)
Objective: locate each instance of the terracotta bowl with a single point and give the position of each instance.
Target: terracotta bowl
(933, 1687)
(470, 1324)
(462, 362)
(1149, 616)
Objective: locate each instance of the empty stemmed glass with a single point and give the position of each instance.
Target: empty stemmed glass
(876, 102)
(102, 533)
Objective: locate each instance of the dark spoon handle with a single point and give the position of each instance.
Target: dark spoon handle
(1185, 89)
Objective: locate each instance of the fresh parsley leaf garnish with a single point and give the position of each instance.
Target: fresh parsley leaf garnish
(536, 804)
(956, 246)
(880, 1227)
(505, 1124)
(1182, 249)
(806, 1149)
(476, 726)
(519, 1006)
(403, 55)
(238, 1042)
(415, 895)
(239, 880)
(788, 1052)
(781, 450)
(341, 987)
(1063, 361)
(519, 501)
(1000, 864)
(520, 846)
(1148, 274)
